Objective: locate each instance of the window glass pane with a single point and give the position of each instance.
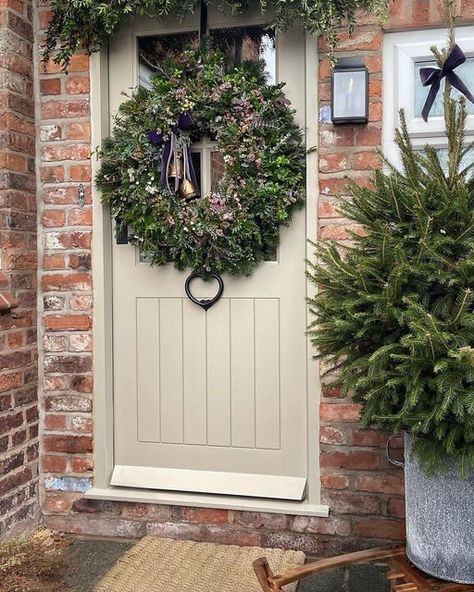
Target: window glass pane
(152, 50)
(443, 153)
(465, 72)
(248, 44)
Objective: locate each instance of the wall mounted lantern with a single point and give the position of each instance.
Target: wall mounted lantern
(350, 91)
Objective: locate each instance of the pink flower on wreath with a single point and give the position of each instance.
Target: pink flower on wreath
(216, 203)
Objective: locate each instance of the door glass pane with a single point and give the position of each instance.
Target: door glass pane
(465, 72)
(245, 44)
(152, 50)
(217, 169)
(143, 256)
(196, 158)
(271, 253)
(239, 43)
(248, 44)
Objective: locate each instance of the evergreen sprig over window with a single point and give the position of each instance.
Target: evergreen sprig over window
(89, 24)
(395, 310)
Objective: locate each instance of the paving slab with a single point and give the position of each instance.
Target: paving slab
(89, 560)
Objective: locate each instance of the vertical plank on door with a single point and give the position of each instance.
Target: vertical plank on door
(194, 373)
(218, 374)
(148, 369)
(267, 373)
(243, 372)
(171, 356)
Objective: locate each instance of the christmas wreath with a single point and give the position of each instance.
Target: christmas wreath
(147, 175)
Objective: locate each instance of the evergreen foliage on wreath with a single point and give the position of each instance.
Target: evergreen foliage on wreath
(89, 24)
(231, 229)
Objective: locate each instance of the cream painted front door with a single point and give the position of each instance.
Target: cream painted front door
(212, 401)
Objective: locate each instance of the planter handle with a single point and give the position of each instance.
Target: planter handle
(391, 460)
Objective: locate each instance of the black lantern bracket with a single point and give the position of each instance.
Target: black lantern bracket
(350, 91)
(203, 20)
(204, 303)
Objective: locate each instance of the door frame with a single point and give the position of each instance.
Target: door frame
(103, 327)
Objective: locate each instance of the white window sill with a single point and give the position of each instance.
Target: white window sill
(223, 502)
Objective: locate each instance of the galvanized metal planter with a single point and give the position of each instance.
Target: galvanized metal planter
(440, 521)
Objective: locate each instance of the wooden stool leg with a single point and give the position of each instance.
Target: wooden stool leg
(271, 582)
(264, 574)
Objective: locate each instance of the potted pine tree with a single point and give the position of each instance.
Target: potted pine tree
(393, 318)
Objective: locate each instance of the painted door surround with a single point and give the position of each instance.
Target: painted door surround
(109, 454)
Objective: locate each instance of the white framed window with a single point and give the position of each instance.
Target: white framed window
(403, 55)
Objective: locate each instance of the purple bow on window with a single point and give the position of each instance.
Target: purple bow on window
(170, 152)
(433, 76)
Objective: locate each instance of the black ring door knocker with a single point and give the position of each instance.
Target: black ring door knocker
(204, 303)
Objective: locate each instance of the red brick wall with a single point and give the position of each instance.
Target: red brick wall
(18, 347)
(65, 306)
(362, 489)
(364, 493)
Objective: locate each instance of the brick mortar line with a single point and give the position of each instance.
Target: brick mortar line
(22, 15)
(10, 91)
(68, 415)
(63, 185)
(63, 98)
(61, 121)
(66, 164)
(29, 45)
(67, 96)
(63, 142)
(68, 433)
(26, 78)
(21, 446)
(28, 503)
(23, 135)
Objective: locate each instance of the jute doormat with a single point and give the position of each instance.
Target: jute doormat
(164, 565)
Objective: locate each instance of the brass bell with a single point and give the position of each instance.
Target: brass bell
(176, 167)
(188, 191)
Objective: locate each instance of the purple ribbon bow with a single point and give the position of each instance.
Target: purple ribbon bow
(170, 151)
(433, 76)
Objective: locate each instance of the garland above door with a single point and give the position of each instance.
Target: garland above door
(89, 24)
